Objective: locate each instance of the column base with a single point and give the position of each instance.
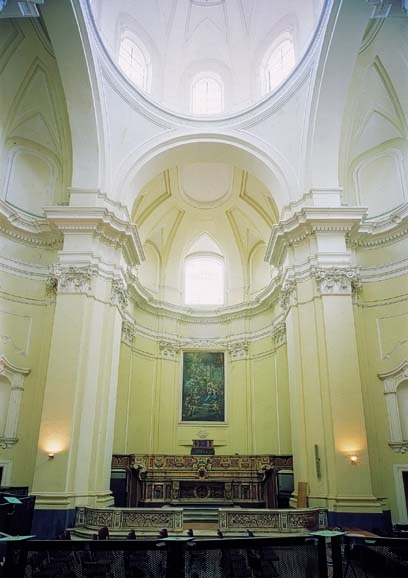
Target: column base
(55, 512)
(363, 520)
(47, 524)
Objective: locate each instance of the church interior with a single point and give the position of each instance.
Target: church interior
(204, 257)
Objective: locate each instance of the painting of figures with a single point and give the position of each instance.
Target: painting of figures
(203, 395)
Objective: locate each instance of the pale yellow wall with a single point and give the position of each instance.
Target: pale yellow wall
(382, 330)
(26, 317)
(149, 397)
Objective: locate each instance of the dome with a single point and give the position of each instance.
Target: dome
(206, 58)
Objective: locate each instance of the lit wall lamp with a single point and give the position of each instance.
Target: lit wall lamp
(51, 455)
(354, 460)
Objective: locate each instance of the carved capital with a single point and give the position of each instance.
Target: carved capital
(120, 296)
(128, 332)
(279, 333)
(71, 279)
(238, 350)
(287, 296)
(168, 350)
(334, 280)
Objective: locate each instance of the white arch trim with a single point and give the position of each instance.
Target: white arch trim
(254, 156)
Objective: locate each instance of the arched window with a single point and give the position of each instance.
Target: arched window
(207, 93)
(204, 274)
(279, 61)
(134, 63)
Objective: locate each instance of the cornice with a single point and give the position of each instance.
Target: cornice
(101, 223)
(308, 221)
(146, 302)
(171, 343)
(381, 230)
(26, 229)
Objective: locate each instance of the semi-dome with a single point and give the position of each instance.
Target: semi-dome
(206, 57)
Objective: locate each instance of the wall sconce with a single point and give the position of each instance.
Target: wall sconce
(354, 460)
(51, 455)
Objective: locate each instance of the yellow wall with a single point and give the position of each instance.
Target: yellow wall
(149, 397)
(382, 329)
(26, 317)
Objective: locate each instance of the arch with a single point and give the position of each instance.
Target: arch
(266, 164)
(69, 37)
(346, 20)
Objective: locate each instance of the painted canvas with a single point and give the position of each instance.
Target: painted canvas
(203, 396)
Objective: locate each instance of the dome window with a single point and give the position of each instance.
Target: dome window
(134, 63)
(278, 63)
(207, 94)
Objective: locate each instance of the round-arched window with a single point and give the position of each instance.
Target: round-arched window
(207, 93)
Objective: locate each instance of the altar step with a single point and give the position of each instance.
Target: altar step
(200, 515)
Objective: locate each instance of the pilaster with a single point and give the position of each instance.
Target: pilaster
(318, 288)
(77, 424)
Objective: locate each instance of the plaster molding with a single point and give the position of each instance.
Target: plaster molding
(120, 294)
(381, 230)
(335, 280)
(310, 221)
(102, 224)
(146, 302)
(238, 350)
(168, 350)
(15, 376)
(288, 296)
(71, 279)
(385, 8)
(393, 377)
(279, 333)
(391, 380)
(27, 229)
(31, 271)
(399, 447)
(128, 332)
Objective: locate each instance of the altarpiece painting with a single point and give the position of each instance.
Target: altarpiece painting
(203, 390)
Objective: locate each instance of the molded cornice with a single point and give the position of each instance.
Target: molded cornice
(103, 224)
(26, 229)
(308, 221)
(381, 230)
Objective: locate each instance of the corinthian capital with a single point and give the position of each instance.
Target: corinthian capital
(334, 280)
(71, 279)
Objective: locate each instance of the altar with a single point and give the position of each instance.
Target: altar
(249, 481)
